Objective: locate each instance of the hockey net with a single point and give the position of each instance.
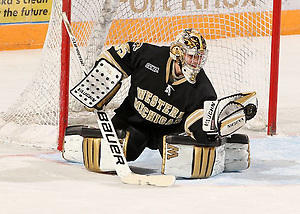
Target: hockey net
(238, 34)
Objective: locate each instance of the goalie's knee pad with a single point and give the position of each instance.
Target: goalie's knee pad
(83, 145)
(184, 157)
(237, 152)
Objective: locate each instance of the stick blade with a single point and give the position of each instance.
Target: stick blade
(150, 180)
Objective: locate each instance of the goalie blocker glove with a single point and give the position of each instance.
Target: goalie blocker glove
(228, 114)
(99, 86)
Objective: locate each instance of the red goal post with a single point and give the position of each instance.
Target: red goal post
(274, 71)
(64, 78)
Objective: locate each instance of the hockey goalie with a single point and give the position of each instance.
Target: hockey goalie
(171, 107)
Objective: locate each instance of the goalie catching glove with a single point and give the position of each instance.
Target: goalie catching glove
(228, 114)
(99, 86)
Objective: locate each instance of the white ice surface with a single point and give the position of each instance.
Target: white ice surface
(37, 180)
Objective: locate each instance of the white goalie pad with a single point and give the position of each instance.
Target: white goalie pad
(237, 157)
(228, 114)
(102, 82)
(72, 148)
(188, 160)
(237, 151)
(183, 157)
(83, 145)
(82, 150)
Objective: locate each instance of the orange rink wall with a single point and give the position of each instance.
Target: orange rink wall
(32, 35)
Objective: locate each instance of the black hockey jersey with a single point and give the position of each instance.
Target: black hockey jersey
(153, 100)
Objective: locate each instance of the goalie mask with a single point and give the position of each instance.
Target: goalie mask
(189, 51)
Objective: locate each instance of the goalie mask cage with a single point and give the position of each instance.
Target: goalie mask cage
(239, 37)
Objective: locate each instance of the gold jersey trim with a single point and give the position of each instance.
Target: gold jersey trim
(191, 119)
(169, 72)
(106, 55)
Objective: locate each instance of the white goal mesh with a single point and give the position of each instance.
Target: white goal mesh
(237, 34)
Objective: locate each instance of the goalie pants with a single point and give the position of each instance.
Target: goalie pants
(141, 137)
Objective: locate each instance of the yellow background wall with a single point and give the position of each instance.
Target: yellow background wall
(23, 23)
(32, 35)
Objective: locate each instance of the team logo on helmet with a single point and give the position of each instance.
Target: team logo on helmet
(193, 39)
(189, 51)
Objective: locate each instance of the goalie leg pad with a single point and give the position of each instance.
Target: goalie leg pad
(91, 154)
(83, 145)
(237, 156)
(189, 160)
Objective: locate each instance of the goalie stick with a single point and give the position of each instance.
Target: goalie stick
(127, 176)
(74, 41)
(111, 140)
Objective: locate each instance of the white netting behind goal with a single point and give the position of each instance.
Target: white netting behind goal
(237, 34)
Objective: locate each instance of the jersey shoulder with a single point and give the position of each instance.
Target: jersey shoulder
(149, 48)
(204, 84)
